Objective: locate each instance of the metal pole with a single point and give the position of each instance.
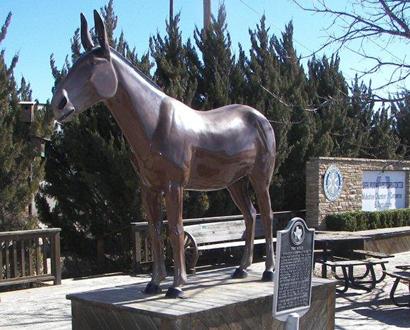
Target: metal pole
(207, 14)
(171, 10)
(292, 322)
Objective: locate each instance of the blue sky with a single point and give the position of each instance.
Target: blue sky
(40, 28)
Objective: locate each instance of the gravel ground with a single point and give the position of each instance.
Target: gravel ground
(47, 308)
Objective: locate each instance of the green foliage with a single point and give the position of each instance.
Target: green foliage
(360, 220)
(90, 177)
(263, 72)
(295, 150)
(88, 172)
(20, 169)
(214, 81)
(177, 66)
(401, 115)
(313, 110)
(176, 63)
(218, 76)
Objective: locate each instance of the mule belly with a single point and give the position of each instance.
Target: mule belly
(214, 173)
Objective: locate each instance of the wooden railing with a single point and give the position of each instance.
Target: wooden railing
(141, 246)
(30, 256)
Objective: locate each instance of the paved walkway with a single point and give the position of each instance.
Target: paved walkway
(47, 308)
(359, 310)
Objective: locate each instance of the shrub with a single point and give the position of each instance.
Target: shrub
(361, 220)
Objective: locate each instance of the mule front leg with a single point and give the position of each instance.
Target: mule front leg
(152, 205)
(173, 201)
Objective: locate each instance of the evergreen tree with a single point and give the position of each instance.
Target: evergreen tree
(356, 142)
(401, 115)
(214, 87)
(263, 71)
(314, 113)
(88, 171)
(176, 63)
(24, 92)
(383, 138)
(20, 170)
(218, 62)
(263, 80)
(292, 91)
(176, 72)
(329, 90)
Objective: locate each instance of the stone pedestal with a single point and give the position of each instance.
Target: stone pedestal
(214, 301)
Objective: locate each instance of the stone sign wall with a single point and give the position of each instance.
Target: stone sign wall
(336, 185)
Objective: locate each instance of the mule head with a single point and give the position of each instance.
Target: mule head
(91, 79)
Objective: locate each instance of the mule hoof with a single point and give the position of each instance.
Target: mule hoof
(267, 276)
(175, 293)
(240, 273)
(191, 271)
(152, 288)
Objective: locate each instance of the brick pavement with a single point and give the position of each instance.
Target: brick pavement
(46, 307)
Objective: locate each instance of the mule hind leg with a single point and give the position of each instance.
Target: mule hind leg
(240, 196)
(263, 198)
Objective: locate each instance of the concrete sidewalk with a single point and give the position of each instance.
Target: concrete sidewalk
(357, 309)
(47, 308)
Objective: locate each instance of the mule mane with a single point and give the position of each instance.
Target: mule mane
(138, 70)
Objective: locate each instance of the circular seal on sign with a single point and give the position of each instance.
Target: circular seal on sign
(297, 233)
(333, 183)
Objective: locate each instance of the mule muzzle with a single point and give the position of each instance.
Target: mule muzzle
(62, 107)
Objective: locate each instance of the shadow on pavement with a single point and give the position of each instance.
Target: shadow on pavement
(394, 316)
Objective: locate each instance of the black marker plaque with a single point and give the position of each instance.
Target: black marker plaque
(293, 275)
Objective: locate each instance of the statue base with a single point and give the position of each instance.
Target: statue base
(213, 300)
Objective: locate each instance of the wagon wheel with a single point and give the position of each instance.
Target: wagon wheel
(191, 253)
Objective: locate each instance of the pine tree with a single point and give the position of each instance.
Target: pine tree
(401, 115)
(176, 72)
(264, 76)
(24, 92)
(355, 142)
(296, 122)
(20, 170)
(88, 171)
(326, 83)
(218, 62)
(383, 138)
(214, 87)
(176, 63)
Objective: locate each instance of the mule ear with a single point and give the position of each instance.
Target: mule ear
(105, 83)
(86, 40)
(101, 32)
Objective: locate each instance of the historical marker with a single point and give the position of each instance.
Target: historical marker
(294, 268)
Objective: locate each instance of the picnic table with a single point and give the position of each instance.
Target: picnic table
(324, 240)
(403, 275)
(367, 260)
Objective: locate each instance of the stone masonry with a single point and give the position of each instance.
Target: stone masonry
(350, 199)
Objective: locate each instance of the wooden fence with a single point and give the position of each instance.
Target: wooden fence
(141, 246)
(30, 256)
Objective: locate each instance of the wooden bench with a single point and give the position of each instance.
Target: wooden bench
(217, 235)
(349, 279)
(399, 276)
(141, 247)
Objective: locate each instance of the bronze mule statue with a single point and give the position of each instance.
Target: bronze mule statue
(174, 148)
